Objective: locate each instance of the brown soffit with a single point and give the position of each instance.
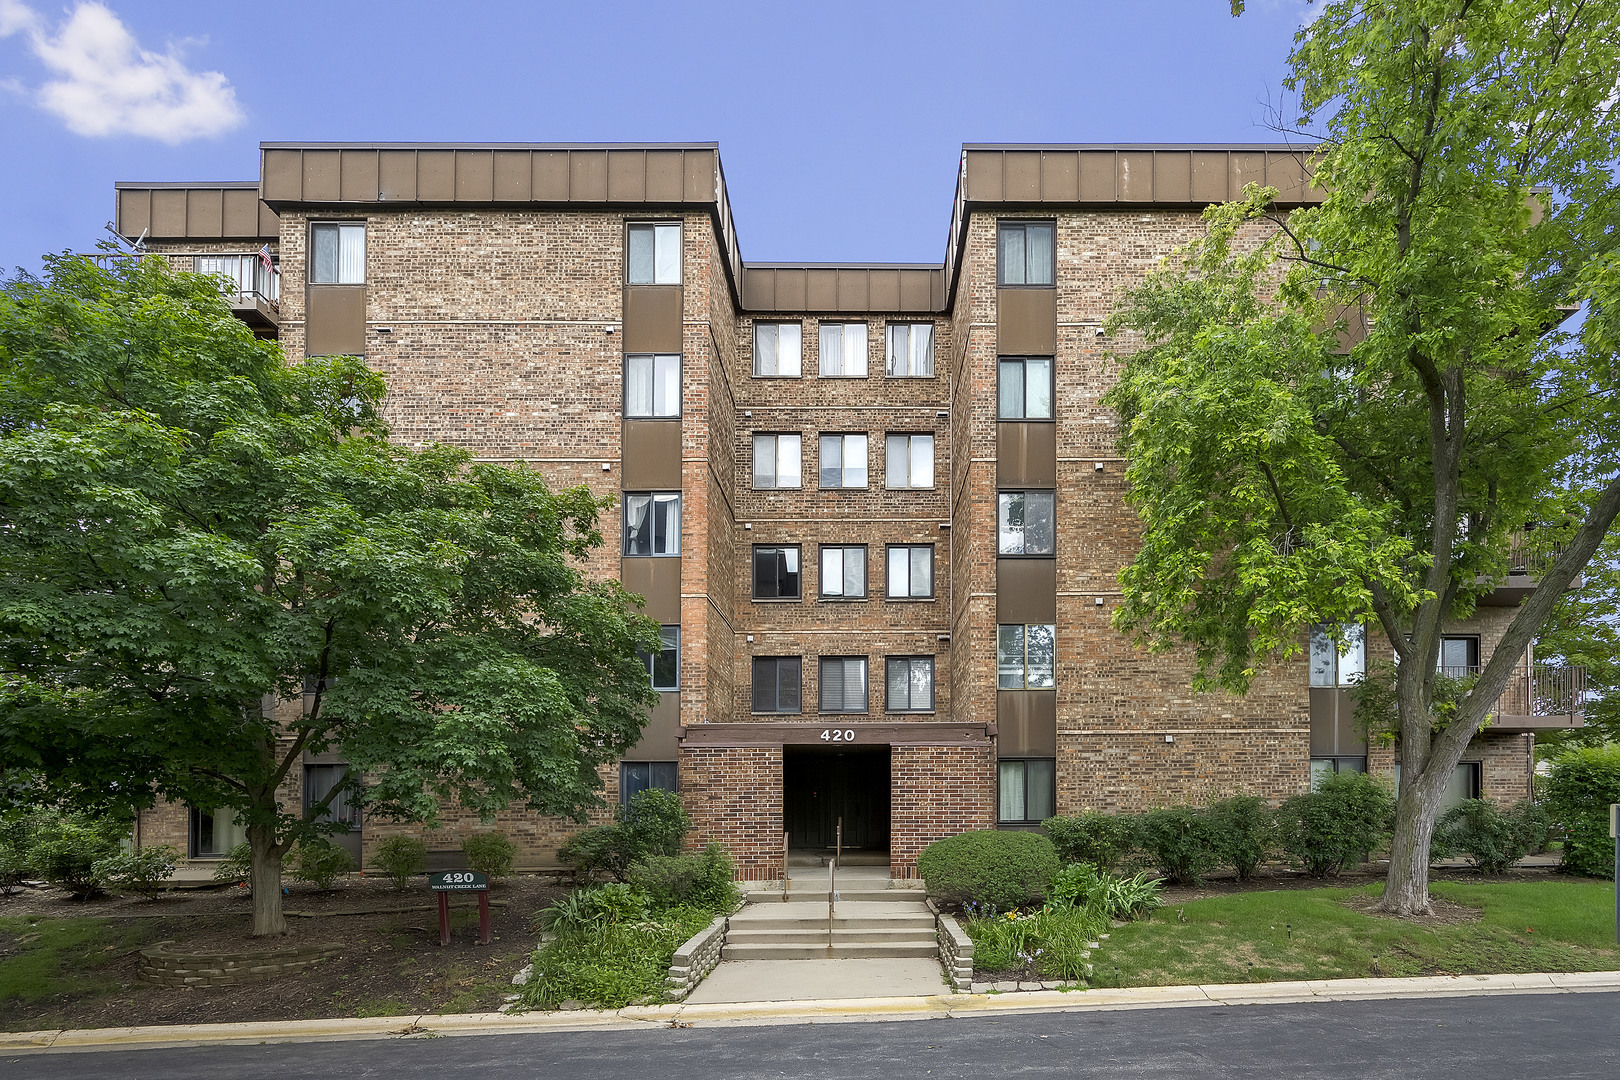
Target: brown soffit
(221, 211)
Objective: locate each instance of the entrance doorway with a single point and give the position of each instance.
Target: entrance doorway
(822, 784)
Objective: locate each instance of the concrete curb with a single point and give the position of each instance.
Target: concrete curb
(844, 1010)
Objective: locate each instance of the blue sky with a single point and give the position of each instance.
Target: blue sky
(839, 123)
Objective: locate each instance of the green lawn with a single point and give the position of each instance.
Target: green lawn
(56, 956)
(1312, 934)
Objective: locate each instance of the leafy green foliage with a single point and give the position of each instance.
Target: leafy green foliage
(622, 963)
(1004, 869)
(1048, 943)
(400, 857)
(702, 881)
(319, 862)
(1585, 631)
(652, 823)
(235, 867)
(67, 847)
(491, 853)
(1245, 832)
(1103, 840)
(142, 872)
(1182, 841)
(1114, 896)
(586, 912)
(1343, 821)
(17, 827)
(1583, 783)
(1492, 839)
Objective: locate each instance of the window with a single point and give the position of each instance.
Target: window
(1332, 667)
(843, 350)
(652, 524)
(910, 352)
(911, 572)
(1028, 789)
(843, 461)
(664, 666)
(1323, 766)
(339, 254)
(638, 776)
(776, 684)
(843, 684)
(1459, 657)
(777, 350)
(319, 780)
(1461, 785)
(1025, 252)
(1024, 388)
(909, 461)
(655, 254)
(214, 833)
(910, 684)
(652, 385)
(843, 572)
(1025, 656)
(776, 573)
(776, 461)
(1025, 523)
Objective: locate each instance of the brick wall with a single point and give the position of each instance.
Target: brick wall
(734, 796)
(937, 791)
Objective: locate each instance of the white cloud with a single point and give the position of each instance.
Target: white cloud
(105, 84)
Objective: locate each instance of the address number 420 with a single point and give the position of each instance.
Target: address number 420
(837, 735)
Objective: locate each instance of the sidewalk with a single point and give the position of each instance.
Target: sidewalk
(845, 1010)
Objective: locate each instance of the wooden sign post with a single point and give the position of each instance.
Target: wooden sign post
(448, 881)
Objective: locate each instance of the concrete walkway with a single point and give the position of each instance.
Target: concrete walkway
(809, 980)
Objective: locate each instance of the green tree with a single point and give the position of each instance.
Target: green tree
(193, 530)
(1585, 630)
(1288, 473)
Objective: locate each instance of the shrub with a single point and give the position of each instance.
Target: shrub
(1583, 783)
(1245, 832)
(1493, 840)
(1339, 823)
(622, 963)
(597, 850)
(652, 823)
(236, 867)
(142, 872)
(1103, 840)
(1112, 896)
(491, 853)
(1005, 869)
(700, 881)
(318, 862)
(590, 911)
(17, 828)
(399, 857)
(66, 848)
(1182, 842)
(1051, 942)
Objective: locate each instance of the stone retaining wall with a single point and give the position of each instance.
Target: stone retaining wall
(955, 950)
(168, 968)
(695, 959)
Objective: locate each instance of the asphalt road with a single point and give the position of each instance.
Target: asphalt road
(1511, 1037)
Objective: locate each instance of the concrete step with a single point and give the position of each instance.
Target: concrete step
(812, 935)
(922, 923)
(852, 948)
(863, 894)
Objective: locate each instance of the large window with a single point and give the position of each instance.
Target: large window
(338, 255)
(1025, 523)
(843, 572)
(777, 461)
(843, 461)
(652, 523)
(1027, 790)
(911, 572)
(319, 780)
(910, 352)
(778, 351)
(1025, 656)
(214, 833)
(910, 684)
(1024, 388)
(1338, 665)
(776, 573)
(909, 461)
(638, 776)
(843, 350)
(776, 684)
(655, 254)
(1461, 785)
(652, 385)
(1459, 656)
(664, 666)
(1024, 252)
(843, 684)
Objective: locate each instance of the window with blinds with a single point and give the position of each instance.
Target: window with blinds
(843, 684)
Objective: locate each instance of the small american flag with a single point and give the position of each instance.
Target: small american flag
(264, 257)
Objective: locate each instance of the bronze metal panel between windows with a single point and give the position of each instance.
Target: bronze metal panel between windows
(1333, 724)
(1026, 322)
(169, 212)
(1026, 590)
(322, 178)
(587, 175)
(1172, 176)
(1208, 176)
(661, 738)
(512, 174)
(652, 456)
(652, 318)
(1026, 723)
(335, 323)
(1134, 183)
(396, 175)
(658, 581)
(475, 176)
(665, 179)
(1060, 177)
(435, 175)
(1021, 176)
(239, 212)
(283, 175)
(1026, 454)
(205, 212)
(550, 177)
(357, 180)
(627, 175)
(865, 733)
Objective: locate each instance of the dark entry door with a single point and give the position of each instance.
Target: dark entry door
(819, 786)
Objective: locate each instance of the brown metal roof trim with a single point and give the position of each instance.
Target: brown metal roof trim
(813, 287)
(229, 210)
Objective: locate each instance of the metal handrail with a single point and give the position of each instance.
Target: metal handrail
(1537, 690)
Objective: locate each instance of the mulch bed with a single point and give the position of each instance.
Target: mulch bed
(391, 964)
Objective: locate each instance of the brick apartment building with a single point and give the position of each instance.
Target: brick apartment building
(878, 509)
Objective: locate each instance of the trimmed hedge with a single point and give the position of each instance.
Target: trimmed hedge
(1343, 821)
(1492, 839)
(1105, 841)
(1004, 869)
(1583, 783)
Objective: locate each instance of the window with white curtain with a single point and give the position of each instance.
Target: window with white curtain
(909, 461)
(1025, 252)
(843, 350)
(910, 684)
(655, 254)
(843, 571)
(1338, 665)
(1025, 523)
(1027, 790)
(338, 253)
(1026, 656)
(910, 352)
(652, 523)
(843, 684)
(911, 571)
(652, 385)
(778, 350)
(843, 461)
(1024, 388)
(776, 461)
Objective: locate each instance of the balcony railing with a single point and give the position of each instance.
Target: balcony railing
(1531, 554)
(1540, 690)
(248, 279)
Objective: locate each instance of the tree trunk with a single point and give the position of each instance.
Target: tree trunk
(266, 880)
(1406, 889)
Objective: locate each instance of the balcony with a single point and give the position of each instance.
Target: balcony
(1528, 558)
(1541, 697)
(252, 289)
